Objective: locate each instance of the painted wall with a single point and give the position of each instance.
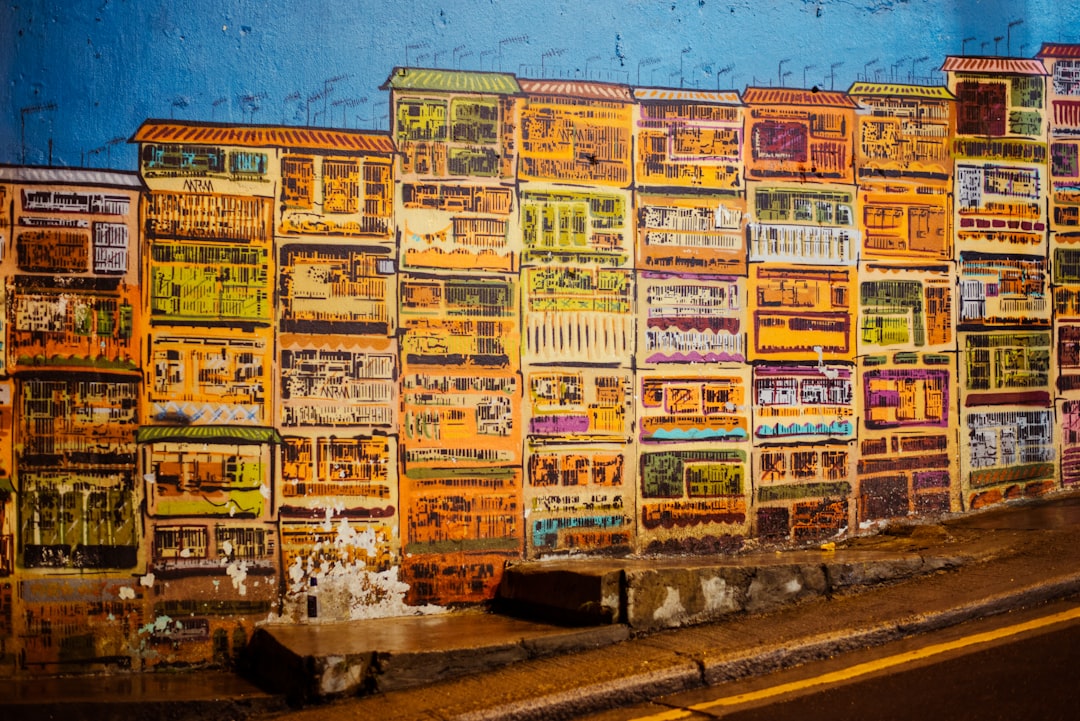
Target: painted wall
(293, 373)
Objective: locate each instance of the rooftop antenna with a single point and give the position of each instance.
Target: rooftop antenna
(589, 60)
(682, 55)
(250, 104)
(328, 87)
(343, 104)
(722, 71)
(866, 68)
(832, 75)
(413, 46)
(551, 53)
(963, 45)
(107, 149)
(219, 102)
(178, 102)
(780, 71)
(805, 68)
(1008, 35)
(646, 62)
(916, 60)
(31, 110)
(516, 40)
(295, 95)
(898, 63)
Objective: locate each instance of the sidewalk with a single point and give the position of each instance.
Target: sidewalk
(479, 666)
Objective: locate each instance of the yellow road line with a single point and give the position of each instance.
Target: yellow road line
(869, 667)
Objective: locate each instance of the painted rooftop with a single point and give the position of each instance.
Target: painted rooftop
(722, 97)
(931, 92)
(1007, 66)
(578, 89)
(262, 136)
(69, 176)
(797, 96)
(402, 78)
(1059, 50)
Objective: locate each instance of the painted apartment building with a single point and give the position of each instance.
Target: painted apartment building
(336, 398)
(71, 395)
(802, 245)
(575, 175)
(1006, 370)
(692, 389)
(455, 208)
(906, 339)
(1063, 120)
(208, 450)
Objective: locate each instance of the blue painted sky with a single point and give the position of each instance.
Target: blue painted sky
(106, 65)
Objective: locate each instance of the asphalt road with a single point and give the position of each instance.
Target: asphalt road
(1021, 665)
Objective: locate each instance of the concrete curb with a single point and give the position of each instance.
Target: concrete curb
(697, 673)
(651, 598)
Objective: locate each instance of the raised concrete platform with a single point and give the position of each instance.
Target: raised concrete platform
(319, 661)
(574, 604)
(648, 594)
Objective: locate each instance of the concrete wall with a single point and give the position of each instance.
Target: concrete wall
(289, 373)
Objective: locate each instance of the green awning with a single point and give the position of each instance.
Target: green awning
(455, 81)
(6, 486)
(207, 434)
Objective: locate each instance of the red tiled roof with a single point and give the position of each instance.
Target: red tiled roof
(577, 89)
(998, 65)
(1059, 50)
(797, 96)
(262, 136)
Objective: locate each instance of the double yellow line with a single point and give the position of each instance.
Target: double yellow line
(864, 669)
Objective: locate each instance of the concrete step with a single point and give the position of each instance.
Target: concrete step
(319, 661)
(557, 606)
(649, 594)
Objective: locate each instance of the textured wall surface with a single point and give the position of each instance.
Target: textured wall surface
(296, 371)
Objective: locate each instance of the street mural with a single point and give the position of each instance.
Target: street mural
(284, 373)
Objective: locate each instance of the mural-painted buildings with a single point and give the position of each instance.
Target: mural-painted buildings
(207, 447)
(536, 317)
(336, 400)
(575, 171)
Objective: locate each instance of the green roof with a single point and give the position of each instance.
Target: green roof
(451, 81)
(207, 434)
